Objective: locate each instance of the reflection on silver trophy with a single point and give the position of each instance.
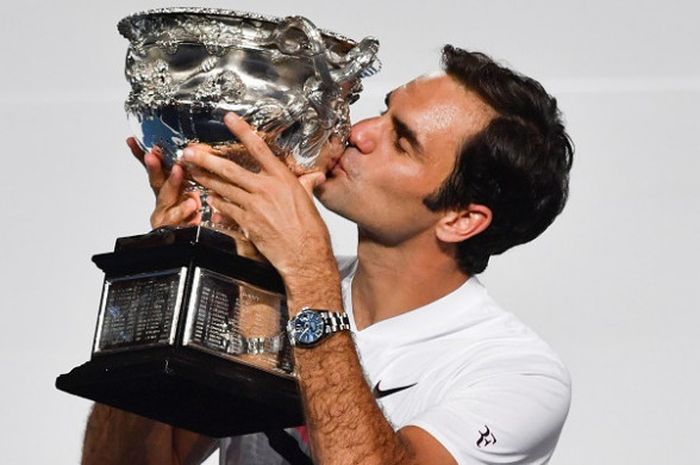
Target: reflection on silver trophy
(191, 329)
(288, 79)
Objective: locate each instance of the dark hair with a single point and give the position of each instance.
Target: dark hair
(518, 165)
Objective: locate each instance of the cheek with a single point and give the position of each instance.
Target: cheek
(410, 182)
(398, 193)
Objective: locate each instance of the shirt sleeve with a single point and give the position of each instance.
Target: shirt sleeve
(503, 419)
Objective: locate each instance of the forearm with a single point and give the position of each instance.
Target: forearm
(116, 437)
(345, 424)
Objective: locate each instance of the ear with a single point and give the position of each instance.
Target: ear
(459, 225)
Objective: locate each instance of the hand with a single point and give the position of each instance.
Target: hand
(152, 161)
(273, 207)
(174, 207)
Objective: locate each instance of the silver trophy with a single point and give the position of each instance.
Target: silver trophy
(288, 79)
(190, 328)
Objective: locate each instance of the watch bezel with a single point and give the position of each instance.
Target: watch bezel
(305, 315)
(332, 322)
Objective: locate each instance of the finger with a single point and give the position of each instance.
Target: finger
(232, 213)
(184, 213)
(257, 147)
(219, 219)
(206, 159)
(154, 168)
(310, 181)
(169, 194)
(195, 218)
(181, 213)
(136, 150)
(225, 189)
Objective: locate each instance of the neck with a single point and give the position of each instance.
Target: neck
(391, 280)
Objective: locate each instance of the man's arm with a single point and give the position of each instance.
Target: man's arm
(345, 424)
(275, 211)
(116, 437)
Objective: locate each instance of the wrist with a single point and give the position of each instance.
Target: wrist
(308, 264)
(315, 290)
(311, 279)
(312, 273)
(313, 325)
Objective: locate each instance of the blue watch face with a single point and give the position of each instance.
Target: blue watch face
(308, 327)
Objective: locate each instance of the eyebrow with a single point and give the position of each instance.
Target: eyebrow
(402, 129)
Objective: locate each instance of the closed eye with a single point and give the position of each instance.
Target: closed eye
(404, 132)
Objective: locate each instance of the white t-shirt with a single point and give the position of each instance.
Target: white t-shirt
(461, 368)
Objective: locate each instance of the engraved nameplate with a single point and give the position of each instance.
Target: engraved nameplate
(139, 311)
(238, 321)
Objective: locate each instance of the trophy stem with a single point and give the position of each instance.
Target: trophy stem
(205, 210)
(244, 247)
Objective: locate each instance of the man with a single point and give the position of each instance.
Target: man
(460, 166)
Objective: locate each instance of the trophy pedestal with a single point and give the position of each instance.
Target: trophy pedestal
(189, 390)
(191, 334)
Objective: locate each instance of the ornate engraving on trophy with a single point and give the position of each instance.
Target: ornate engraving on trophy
(224, 86)
(289, 79)
(152, 86)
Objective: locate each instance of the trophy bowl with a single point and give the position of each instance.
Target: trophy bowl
(290, 80)
(190, 328)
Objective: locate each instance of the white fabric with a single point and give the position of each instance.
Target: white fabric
(484, 385)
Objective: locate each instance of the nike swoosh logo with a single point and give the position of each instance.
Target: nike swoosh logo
(379, 393)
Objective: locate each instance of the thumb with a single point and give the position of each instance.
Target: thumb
(311, 180)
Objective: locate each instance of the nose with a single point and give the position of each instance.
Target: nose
(363, 135)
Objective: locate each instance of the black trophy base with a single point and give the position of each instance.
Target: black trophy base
(176, 382)
(189, 389)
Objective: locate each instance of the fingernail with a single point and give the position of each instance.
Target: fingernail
(231, 117)
(188, 154)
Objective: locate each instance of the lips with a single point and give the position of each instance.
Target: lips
(336, 163)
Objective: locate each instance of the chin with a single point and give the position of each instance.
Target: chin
(330, 194)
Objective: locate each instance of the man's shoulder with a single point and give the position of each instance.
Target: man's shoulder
(503, 344)
(473, 338)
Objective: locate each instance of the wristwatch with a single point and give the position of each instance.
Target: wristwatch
(311, 325)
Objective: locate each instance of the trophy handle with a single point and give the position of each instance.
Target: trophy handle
(325, 89)
(361, 62)
(330, 84)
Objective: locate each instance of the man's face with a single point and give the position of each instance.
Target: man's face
(396, 159)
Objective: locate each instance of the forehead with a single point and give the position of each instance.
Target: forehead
(439, 106)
